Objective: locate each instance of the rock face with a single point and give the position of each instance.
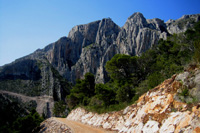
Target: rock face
(139, 34)
(95, 53)
(156, 111)
(88, 47)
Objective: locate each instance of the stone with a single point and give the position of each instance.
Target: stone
(182, 77)
(151, 127)
(197, 79)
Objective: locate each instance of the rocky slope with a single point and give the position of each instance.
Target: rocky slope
(52, 125)
(159, 110)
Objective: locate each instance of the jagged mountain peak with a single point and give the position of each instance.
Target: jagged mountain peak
(90, 27)
(83, 28)
(136, 15)
(138, 19)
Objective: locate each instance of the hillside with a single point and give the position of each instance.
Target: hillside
(114, 66)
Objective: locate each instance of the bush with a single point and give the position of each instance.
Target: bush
(125, 93)
(82, 91)
(122, 68)
(105, 94)
(28, 123)
(197, 51)
(59, 109)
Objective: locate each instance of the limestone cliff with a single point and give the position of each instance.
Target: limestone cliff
(97, 52)
(139, 34)
(88, 47)
(158, 110)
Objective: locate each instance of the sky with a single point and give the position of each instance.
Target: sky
(26, 25)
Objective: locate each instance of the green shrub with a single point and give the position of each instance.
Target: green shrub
(197, 51)
(59, 109)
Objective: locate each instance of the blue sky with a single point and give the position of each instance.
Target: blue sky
(26, 25)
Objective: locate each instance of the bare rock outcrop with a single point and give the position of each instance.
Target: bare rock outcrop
(139, 34)
(94, 56)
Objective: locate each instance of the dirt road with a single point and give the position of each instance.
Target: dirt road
(40, 100)
(77, 127)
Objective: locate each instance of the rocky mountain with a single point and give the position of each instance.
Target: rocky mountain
(86, 49)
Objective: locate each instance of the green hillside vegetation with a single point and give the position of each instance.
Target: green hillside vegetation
(17, 117)
(132, 76)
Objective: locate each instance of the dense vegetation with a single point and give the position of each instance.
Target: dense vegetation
(131, 76)
(16, 118)
(60, 109)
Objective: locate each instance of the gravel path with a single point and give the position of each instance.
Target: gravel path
(77, 127)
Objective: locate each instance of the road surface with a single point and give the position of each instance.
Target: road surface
(77, 127)
(40, 100)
